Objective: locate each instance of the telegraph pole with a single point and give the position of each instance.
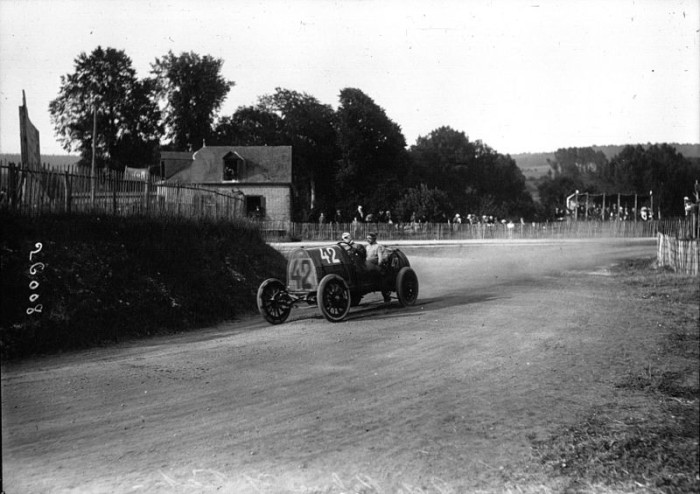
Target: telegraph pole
(92, 170)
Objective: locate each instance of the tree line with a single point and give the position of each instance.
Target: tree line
(657, 170)
(341, 158)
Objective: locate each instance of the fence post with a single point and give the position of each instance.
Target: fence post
(113, 180)
(12, 186)
(67, 187)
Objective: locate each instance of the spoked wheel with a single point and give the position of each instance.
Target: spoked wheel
(333, 298)
(273, 303)
(407, 286)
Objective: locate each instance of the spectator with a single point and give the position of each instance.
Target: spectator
(321, 218)
(338, 217)
(359, 214)
(688, 205)
(456, 221)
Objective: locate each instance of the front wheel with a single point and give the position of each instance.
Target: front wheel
(406, 286)
(333, 297)
(273, 303)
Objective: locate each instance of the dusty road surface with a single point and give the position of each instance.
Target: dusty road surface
(506, 343)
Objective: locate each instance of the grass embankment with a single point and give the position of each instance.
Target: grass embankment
(651, 445)
(107, 279)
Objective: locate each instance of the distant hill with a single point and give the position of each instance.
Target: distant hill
(52, 160)
(534, 165)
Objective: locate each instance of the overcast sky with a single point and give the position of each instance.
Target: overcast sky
(521, 76)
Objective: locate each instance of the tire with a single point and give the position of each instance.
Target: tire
(407, 286)
(273, 303)
(333, 298)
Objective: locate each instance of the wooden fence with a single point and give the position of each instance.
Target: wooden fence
(72, 191)
(51, 191)
(681, 255)
(275, 231)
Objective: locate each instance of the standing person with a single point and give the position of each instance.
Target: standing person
(338, 218)
(360, 214)
(687, 205)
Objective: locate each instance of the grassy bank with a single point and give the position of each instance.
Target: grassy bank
(105, 279)
(648, 445)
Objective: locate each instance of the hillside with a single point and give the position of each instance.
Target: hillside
(52, 160)
(534, 165)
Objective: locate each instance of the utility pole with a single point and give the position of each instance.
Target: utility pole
(92, 170)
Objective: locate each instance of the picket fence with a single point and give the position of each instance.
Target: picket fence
(681, 255)
(72, 191)
(276, 231)
(46, 190)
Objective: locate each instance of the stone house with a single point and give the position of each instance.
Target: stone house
(263, 174)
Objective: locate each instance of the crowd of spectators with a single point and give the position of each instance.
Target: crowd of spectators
(610, 213)
(579, 213)
(415, 221)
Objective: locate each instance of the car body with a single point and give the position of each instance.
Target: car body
(335, 277)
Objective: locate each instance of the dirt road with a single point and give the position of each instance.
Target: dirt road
(506, 343)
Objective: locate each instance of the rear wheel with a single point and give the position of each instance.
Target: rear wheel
(273, 303)
(333, 297)
(407, 286)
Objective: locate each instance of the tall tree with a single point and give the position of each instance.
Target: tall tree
(476, 178)
(308, 126)
(192, 90)
(294, 119)
(445, 159)
(428, 204)
(249, 126)
(659, 168)
(373, 156)
(105, 82)
(573, 162)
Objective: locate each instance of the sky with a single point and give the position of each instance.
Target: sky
(521, 76)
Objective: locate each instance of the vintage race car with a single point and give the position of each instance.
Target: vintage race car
(335, 278)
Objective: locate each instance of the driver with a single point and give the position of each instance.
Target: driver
(347, 238)
(356, 251)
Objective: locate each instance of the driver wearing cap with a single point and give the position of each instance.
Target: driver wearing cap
(347, 238)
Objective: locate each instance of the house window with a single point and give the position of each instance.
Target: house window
(233, 167)
(255, 207)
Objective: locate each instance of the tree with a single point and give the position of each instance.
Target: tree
(249, 126)
(430, 204)
(308, 126)
(293, 119)
(573, 162)
(373, 155)
(127, 118)
(659, 168)
(192, 90)
(476, 178)
(554, 191)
